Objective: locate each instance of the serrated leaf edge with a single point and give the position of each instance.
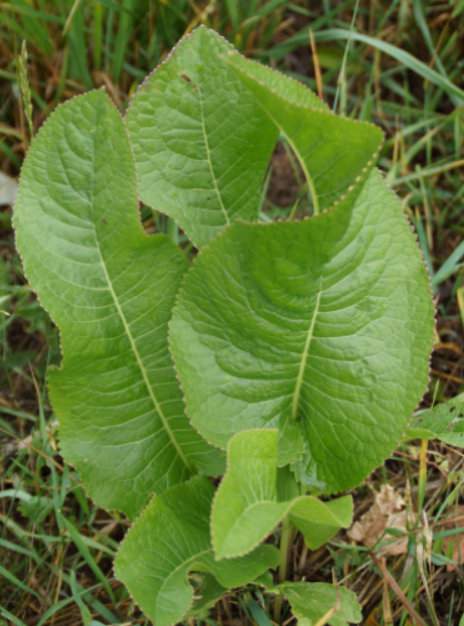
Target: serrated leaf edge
(87, 488)
(233, 51)
(130, 530)
(205, 250)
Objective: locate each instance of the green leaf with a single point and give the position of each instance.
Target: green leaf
(444, 421)
(36, 508)
(314, 604)
(169, 540)
(319, 521)
(201, 143)
(327, 322)
(246, 507)
(276, 83)
(110, 289)
(334, 152)
(205, 123)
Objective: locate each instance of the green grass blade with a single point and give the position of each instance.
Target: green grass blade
(421, 21)
(7, 615)
(450, 266)
(123, 36)
(403, 57)
(86, 555)
(15, 581)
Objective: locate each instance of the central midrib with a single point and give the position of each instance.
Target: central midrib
(126, 326)
(304, 357)
(208, 157)
(139, 361)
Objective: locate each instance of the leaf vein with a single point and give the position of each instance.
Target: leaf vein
(304, 356)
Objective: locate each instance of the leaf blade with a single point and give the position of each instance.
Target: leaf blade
(335, 153)
(204, 125)
(444, 421)
(170, 539)
(246, 508)
(262, 283)
(110, 289)
(189, 123)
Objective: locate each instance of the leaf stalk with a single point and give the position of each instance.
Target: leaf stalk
(286, 537)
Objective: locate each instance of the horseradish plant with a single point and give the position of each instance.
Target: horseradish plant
(286, 357)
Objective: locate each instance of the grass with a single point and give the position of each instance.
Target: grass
(397, 63)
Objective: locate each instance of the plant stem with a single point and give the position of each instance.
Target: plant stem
(285, 540)
(285, 546)
(422, 476)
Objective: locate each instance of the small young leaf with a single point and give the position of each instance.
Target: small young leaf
(328, 322)
(444, 421)
(169, 540)
(321, 603)
(110, 289)
(246, 508)
(319, 521)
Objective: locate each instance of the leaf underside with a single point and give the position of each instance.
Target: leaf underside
(171, 539)
(110, 289)
(246, 507)
(327, 323)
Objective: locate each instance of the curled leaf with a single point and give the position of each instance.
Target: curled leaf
(170, 540)
(246, 507)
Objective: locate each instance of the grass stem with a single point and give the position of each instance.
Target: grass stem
(422, 475)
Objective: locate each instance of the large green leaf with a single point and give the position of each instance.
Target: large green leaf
(203, 127)
(201, 143)
(110, 289)
(246, 507)
(327, 322)
(444, 421)
(314, 604)
(171, 539)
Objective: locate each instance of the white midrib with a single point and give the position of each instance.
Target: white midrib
(139, 361)
(304, 357)
(208, 158)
